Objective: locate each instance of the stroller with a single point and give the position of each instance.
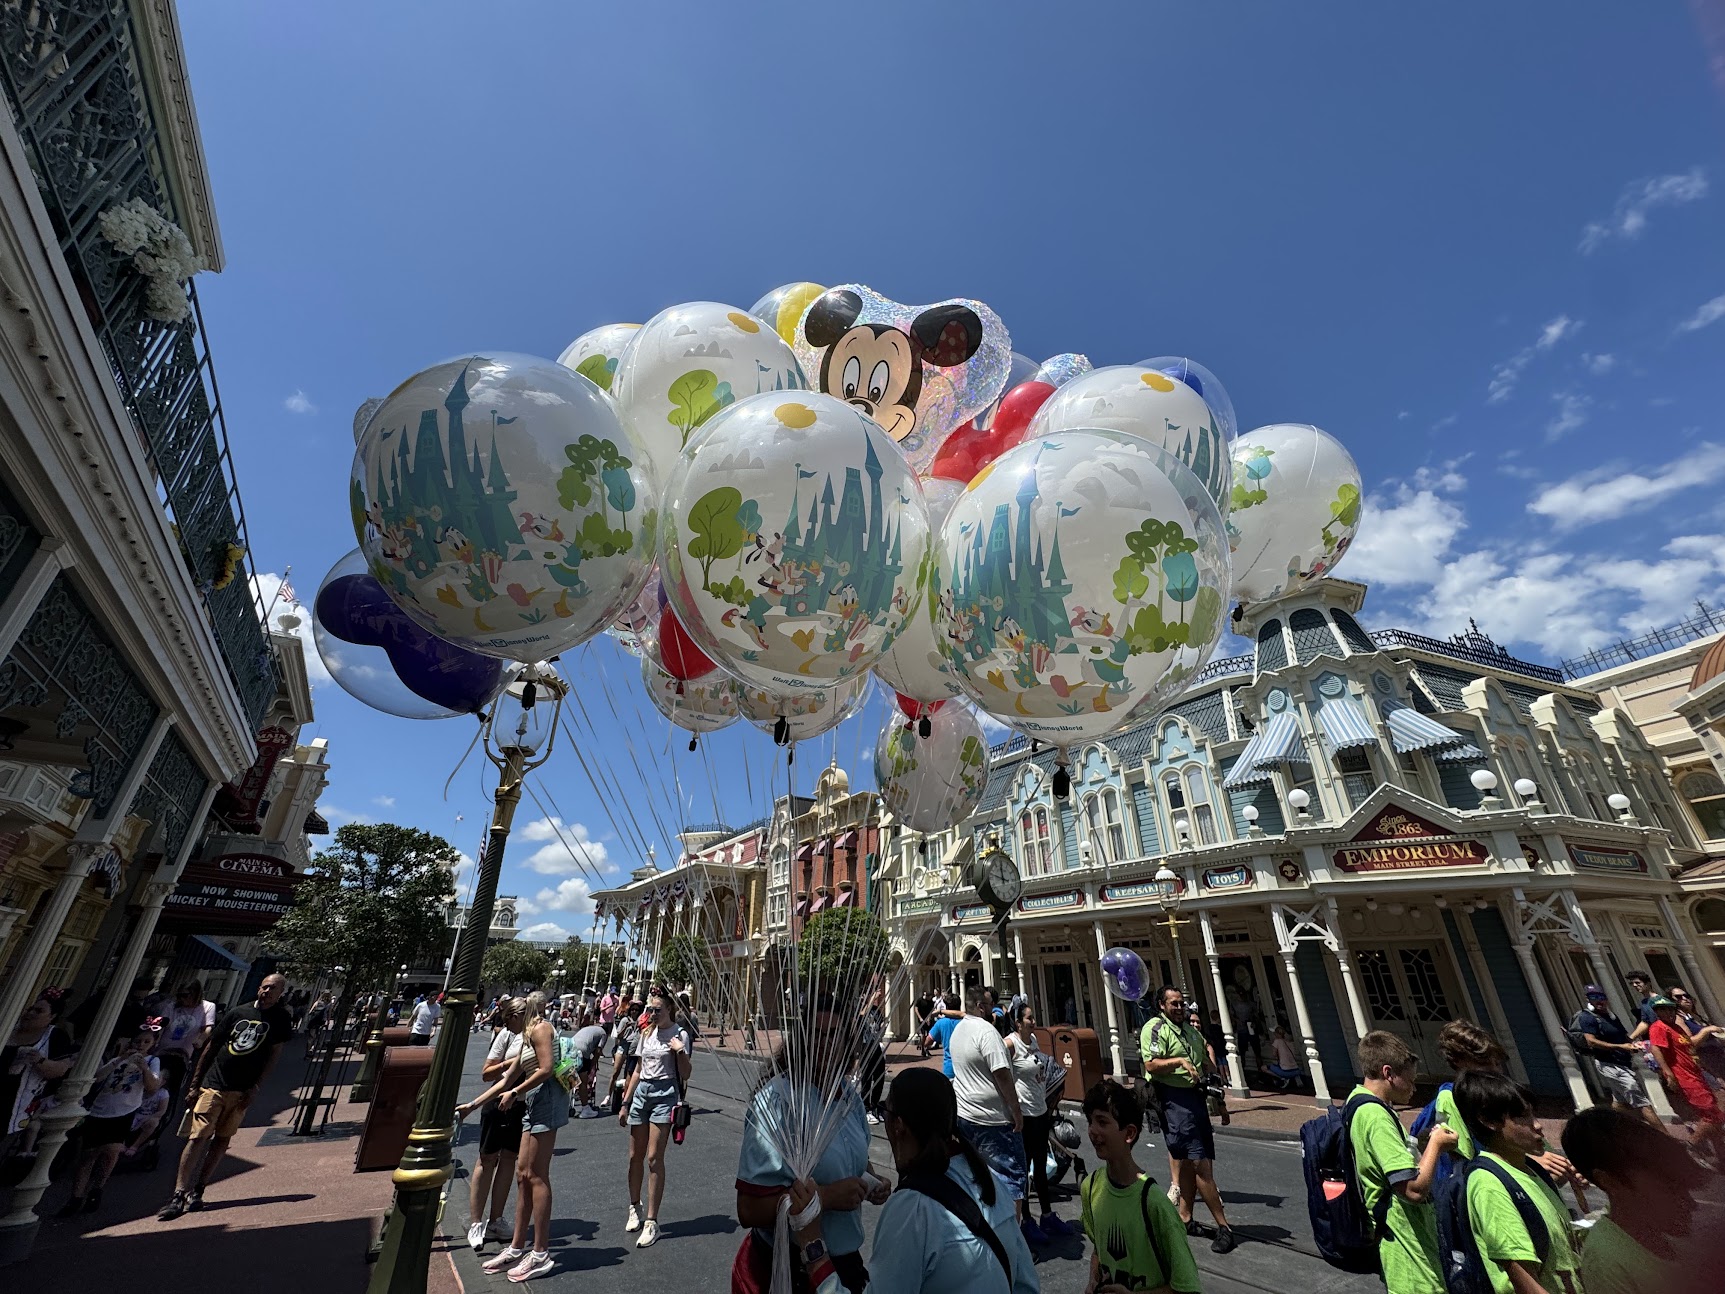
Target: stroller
(1064, 1142)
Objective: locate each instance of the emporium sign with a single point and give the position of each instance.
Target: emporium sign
(1052, 902)
(1397, 840)
(237, 894)
(1607, 860)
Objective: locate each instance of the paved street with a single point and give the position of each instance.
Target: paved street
(1260, 1180)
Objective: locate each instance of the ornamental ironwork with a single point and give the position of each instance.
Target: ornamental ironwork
(70, 72)
(18, 541)
(173, 786)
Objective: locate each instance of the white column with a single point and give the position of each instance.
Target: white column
(1698, 979)
(1596, 963)
(50, 558)
(1236, 1068)
(1113, 1011)
(1553, 1024)
(1022, 971)
(987, 960)
(1302, 1017)
(1339, 948)
(90, 843)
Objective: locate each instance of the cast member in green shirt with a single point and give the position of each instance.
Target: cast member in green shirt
(1499, 1113)
(1384, 1161)
(1137, 1239)
(1651, 1180)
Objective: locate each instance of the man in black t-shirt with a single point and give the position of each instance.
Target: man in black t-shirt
(239, 1055)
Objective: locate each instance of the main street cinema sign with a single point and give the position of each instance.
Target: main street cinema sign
(237, 894)
(1397, 840)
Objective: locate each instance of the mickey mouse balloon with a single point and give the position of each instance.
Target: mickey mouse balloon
(919, 371)
(500, 503)
(1296, 504)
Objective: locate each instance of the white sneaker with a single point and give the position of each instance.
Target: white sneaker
(589, 1112)
(649, 1233)
(476, 1236)
(634, 1222)
(503, 1261)
(500, 1229)
(535, 1264)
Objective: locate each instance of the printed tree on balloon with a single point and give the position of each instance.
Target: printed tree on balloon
(1159, 550)
(696, 396)
(1249, 476)
(1344, 512)
(715, 531)
(598, 471)
(598, 369)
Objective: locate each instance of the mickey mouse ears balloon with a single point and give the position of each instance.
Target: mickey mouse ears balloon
(595, 354)
(1126, 976)
(377, 655)
(919, 371)
(1296, 505)
(502, 506)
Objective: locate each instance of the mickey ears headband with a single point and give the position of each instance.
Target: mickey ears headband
(152, 1024)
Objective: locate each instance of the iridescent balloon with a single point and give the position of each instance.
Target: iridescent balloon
(935, 782)
(1296, 506)
(595, 354)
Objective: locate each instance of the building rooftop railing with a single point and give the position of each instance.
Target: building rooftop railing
(1476, 649)
(1705, 622)
(70, 72)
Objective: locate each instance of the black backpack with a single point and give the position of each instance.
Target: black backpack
(1464, 1267)
(957, 1201)
(1345, 1233)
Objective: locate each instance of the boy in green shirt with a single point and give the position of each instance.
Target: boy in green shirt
(1651, 1182)
(1384, 1161)
(1500, 1115)
(1138, 1241)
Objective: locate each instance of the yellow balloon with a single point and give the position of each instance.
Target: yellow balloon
(782, 307)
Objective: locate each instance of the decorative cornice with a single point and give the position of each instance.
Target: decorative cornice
(161, 57)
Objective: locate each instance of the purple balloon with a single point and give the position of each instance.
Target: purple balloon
(1125, 975)
(355, 609)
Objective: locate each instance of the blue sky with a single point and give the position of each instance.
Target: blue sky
(1480, 245)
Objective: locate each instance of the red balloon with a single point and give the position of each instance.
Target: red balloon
(677, 651)
(969, 449)
(914, 709)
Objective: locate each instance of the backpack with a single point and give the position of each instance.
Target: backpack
(1346, 1234)
(1464, 1267)
(1053, 1079)
(1424, 1121)
(1577, 1038)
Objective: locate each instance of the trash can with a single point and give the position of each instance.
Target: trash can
(1080, 1051)
(389, 1117)
(397, 1035)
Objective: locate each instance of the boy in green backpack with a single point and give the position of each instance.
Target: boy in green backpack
(1138, 1241)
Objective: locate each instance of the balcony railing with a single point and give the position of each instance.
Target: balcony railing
(1491, 656)
(71, 76)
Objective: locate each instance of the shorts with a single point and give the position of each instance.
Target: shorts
(111, 1131)
(547, 1108)
(500, 1130)
(1001, 1149)
(218, 1114)
(1622, 1084)
(653, 1102)
(419, 1039)
(1186, 1129)
(1701, 1098)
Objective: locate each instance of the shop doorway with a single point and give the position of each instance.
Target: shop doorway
(1406, 992)
(1062, 997)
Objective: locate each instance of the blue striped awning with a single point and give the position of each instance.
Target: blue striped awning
(1410, 731)
(1276, 742)
(1345, 724)
(1461, 754)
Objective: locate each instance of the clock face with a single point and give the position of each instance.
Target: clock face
(1003, 879)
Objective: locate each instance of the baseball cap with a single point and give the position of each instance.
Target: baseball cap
(1662, 1000)
(1595, 991)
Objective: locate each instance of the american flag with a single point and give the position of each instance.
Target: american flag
(286, 594)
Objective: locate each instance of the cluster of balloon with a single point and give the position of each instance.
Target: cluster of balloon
(595, 354)
(1004, 424)
(501, 505)
(1081, 583)
(377, 655)
(932, 782)
(704, 705)
(1296, 505)
(794, 717)
(1126, 976)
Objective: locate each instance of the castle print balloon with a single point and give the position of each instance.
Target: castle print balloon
(1151, 405)
(1205, 383)
(705, 705)
(689, 362)
(793, 537)
(915, 666)
(596, 353)
(1081, 582)
(919, 371)
(1296, 504)
(499, 501)
(798, 716)
(932, 783)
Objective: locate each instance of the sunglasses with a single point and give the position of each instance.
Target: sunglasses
(1681, 997)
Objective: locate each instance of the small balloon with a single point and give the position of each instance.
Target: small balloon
(705, 705)
(911, 708)
(781, 308)
(678, 654)
(1296, 507)
(933, 781)
(1058, 370)
(1022, 369)
(1125, 975)
(801, 715)
(595, 354)
(971, 448)
(915, 665)
(1205, 383)
(640, 618)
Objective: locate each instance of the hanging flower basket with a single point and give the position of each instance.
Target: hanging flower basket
(228, 556)
(161, 253)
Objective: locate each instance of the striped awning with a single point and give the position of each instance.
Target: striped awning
(1410, 731)
(847, 841)
(844, 898)
(1276, 742)
(802, 906)
(1464, 753)
(1345, 724)
(805, 851)
(819, 903)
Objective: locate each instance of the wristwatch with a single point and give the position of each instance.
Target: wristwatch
(813, 1252)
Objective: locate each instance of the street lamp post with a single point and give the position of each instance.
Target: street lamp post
(366, 1079)
(518, 738)
(1168, 899)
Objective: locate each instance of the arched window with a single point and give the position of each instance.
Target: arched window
(1036, 841)
(1198, 803)
(1272, 650)
(1313, 636)
(781, 872)
(1710, 916)
(1706, 796)
(1105, 824)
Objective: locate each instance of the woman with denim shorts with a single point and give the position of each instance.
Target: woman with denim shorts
(654, 1091)
(534, 1081)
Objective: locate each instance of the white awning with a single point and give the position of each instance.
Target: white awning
(1277, 742)
(1345, 724)
(1410, 731)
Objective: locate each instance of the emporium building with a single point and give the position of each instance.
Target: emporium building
(1368, 830)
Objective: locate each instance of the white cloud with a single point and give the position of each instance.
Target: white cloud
(1572, 409)
(1508, 373)
(299, 402)
(463, 865)
(544, 932)
(1710, 312)
(266, 585)
(572, 894)
(339, 816)
(567, 848)
(383, 801)
(1628, 219)
(1599, 365)
(1405, 539)
(1606, 493)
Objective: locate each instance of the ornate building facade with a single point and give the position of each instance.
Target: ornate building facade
(1369, 830)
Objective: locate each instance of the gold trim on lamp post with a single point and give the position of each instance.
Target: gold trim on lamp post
(517, 740)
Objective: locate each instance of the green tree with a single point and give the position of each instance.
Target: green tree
(598, 369)
(715, 530)
(684, 961)
(516, 966)
(374, 899)
(840, 949)
(586, 964)
(695, 397)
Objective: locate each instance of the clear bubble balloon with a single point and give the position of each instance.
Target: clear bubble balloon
(1296, 506)
(500, 502)
(940, 495)
(1080, 584)
(934, 782)
(688, 363)
(1146, 403)
(915, 665)
(1205, 383)
(798, 716)
(596, 353)
(792, 542)
(362, 416)
(1125, 975)
(782, 307)
(639, 621)
(1021, 369)
(704, 705)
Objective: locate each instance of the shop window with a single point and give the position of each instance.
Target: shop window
(1198, 804)
(1272, 650)
(1379, 983)
(1036, 841)
(1105, 824)
(1706, 796)
(1313, 636)
(1358, 779)
(1425, 987)
(1710, 916)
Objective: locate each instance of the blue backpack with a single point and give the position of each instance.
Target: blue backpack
(1345, 1232)
(1424, 1122)
(1464, 1267)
